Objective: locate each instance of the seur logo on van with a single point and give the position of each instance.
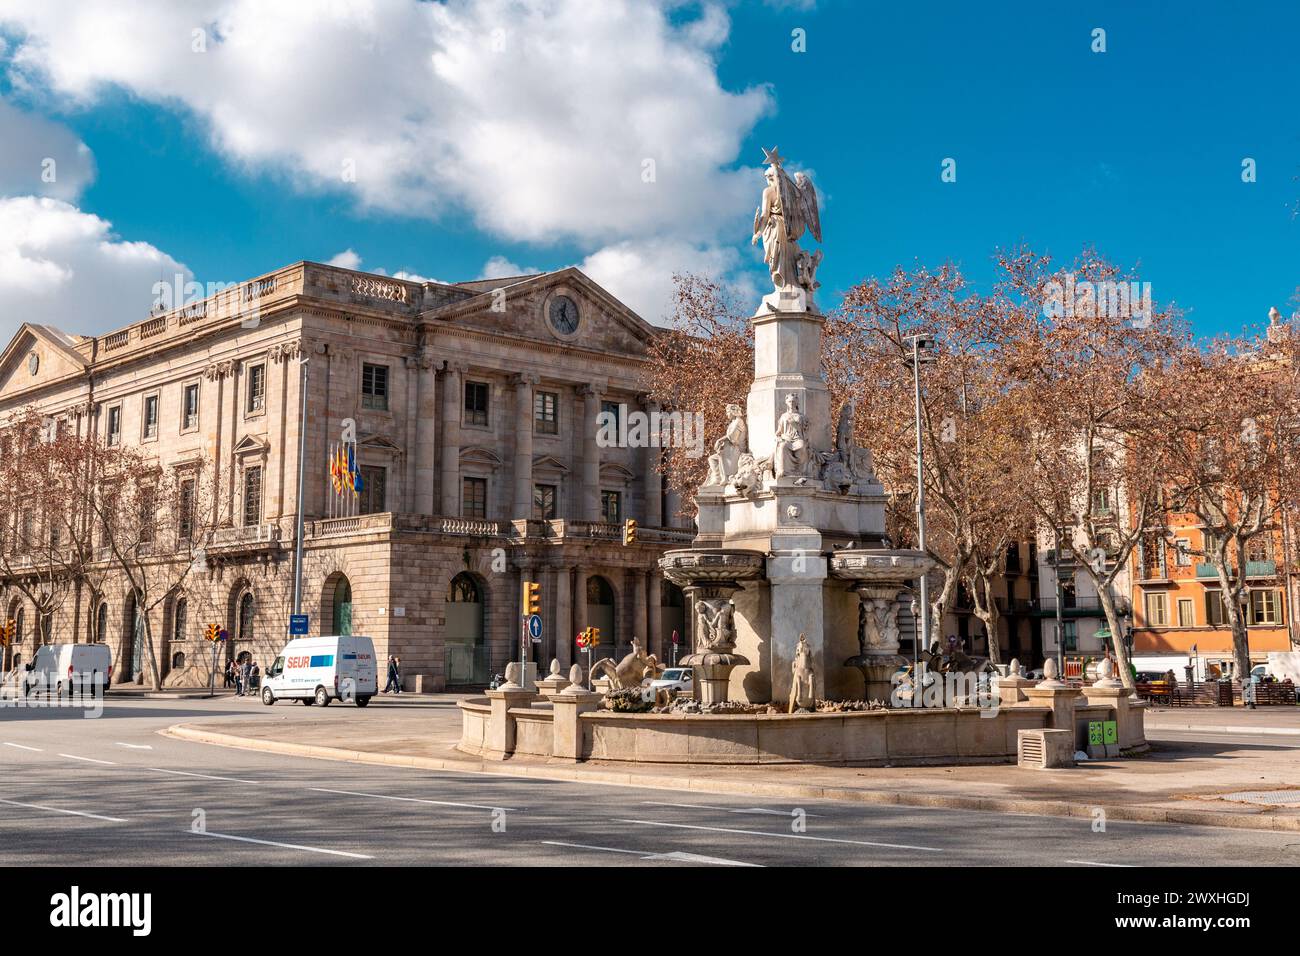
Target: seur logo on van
(317, 660)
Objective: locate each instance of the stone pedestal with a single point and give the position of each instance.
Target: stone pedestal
(500, 742)
(568, 705)
(1061, 699)
(795, 580)
(1129, 713)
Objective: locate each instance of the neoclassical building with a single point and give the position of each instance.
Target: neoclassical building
(475, 408)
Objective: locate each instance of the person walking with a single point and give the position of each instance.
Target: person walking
(245, 672)
(230, 674)
(394, 675)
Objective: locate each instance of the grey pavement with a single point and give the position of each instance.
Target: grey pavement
(113, 791)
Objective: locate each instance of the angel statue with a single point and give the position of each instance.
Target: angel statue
(788, 207)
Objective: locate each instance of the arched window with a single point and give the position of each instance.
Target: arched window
(464, 590)
(343, 608)
(19, 620)
(601, 613)
(101, 624)
(246, 608)
(178, 660)
(463, 634)
(179, 614)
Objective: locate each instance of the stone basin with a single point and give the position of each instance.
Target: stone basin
(884, 566)
(702, 567)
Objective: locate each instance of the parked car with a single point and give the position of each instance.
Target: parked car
(317, 670)
(678, 680)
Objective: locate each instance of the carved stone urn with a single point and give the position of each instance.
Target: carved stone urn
(710, 576)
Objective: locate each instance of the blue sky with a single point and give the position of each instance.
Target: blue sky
(223, 162)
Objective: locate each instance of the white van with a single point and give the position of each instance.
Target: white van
(316, 670)
(67, 669)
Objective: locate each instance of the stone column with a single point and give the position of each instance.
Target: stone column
(652, 481)
(211, 418)
(795, 582)
(640, 621)
(452, 403)
(523, 502)
(673, 503)
(426, 412)
(564, 629)
(590, 496)
(656, 617)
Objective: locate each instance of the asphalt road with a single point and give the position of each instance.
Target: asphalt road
(75, 791)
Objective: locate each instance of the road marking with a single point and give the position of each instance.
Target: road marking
(677, 857)
(436, 803)
(88, 759)
(287, 846)
(783, 836)
(24, 747)
(1091, 863)
(701, 806)
(75, 813)
(135, 746)
(205, 776)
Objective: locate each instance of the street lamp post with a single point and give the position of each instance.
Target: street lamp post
(302, 471)
(922, 344)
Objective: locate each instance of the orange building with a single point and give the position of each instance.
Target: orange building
(1178, 612)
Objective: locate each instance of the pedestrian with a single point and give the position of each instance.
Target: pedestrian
(394, 676)
(255, 676)
(245, 672)
(230, 674)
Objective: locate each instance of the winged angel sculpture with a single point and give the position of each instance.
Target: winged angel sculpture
(787, 210)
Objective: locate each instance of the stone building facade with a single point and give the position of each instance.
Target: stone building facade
(475, 407)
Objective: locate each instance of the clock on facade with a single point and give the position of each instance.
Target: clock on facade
(564, 315)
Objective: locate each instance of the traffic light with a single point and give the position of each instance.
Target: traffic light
(7, 631)
(593, 636)
(532, 602)
(212, 633)
(629, 532)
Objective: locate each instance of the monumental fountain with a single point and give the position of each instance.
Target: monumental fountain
(796, 591)
(791, 518)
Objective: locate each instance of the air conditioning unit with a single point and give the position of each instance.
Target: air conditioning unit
(1045, 749)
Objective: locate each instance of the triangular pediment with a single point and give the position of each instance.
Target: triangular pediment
(38, 355)
(250, 445)
(379, 443)
(549, 463)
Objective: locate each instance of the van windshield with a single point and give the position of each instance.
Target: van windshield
(277, 667)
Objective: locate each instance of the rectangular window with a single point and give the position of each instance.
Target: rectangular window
(1215, 612)
(148, 515)
(185, 510)
(476, 403)
(611, 506)
(1260, 548)
(150, 416)
(1265, 607)
(1101, 501)
(473, 497)
(1183, 552)
(1157, 609)
(374, 387)
(613, 409)
(1186, 612)
(252, 495)
(1070, 635)
(546, 413)
(374, 489)
(190, 406)
(543, 502)
(114, 436)
(256, 388)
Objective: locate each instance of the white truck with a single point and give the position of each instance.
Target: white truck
(62, 670)
(317, 670)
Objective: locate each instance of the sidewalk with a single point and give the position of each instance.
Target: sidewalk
(1178, 782)
(1270, 721)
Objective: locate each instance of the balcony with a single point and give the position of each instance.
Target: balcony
(1254, 569)
(1078, 607)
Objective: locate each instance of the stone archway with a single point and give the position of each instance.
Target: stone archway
(672, 617)
(602, 612)
(465, 652)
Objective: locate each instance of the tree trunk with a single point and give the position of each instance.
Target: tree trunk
(1122, 662)
(155, 678)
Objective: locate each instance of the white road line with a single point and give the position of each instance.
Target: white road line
(783, 836)
(286, 846)
(135, 746)
(24, 747)
(88, 759)
(676, 857)
(1091, 863)
(75, 813)
(701, 806)
(205, 776)
(436, 803)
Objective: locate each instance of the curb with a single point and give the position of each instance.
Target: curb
(1045, 808)
(1241, 731)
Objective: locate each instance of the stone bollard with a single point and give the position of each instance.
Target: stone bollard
(568, 706)
(1011, 688)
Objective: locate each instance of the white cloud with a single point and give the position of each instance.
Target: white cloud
(347, 259)
(535, 117)
(41, 157)
(499, 267)
(640, 273)
(60, 266)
